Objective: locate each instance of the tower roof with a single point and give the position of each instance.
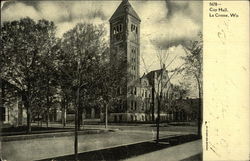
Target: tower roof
(122, 11)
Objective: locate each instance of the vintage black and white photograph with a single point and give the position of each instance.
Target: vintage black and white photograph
(101, 80)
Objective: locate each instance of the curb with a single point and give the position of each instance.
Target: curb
(52, 134)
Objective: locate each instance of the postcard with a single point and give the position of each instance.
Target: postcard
(129, 80)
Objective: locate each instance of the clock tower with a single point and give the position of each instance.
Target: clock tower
(125, 47)
(125, 38)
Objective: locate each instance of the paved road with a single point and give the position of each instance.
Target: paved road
(35, 149)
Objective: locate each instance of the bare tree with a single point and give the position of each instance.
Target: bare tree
(162, 84)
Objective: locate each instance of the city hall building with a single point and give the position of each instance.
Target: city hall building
(137, 94)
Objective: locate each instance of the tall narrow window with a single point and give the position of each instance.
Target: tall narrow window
(118, 28)
(134, 28)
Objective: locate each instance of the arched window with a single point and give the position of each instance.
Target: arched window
(118, 28)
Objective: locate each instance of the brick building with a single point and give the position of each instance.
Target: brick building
(138, 94)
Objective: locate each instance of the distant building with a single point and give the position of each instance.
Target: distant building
(11, 106)
(185, 109)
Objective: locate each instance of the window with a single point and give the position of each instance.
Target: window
(134, 28)
(135, 91)
(135, 105)
(118, 28)
(3, 113)
(120, 104)
(132, 119)
(132, 104)
(131, 91)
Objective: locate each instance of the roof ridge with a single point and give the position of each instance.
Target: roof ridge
(121, 10)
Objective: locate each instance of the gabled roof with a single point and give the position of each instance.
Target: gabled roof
(158, 71)
(121, 10)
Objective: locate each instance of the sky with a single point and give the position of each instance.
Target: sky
(165, 25)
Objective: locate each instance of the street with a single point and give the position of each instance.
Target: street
(42, 148)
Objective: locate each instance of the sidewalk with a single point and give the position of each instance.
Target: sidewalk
(175, 153)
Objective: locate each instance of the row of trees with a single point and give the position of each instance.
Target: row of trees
(72, 70)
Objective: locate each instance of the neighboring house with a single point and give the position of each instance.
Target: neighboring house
(11, 106)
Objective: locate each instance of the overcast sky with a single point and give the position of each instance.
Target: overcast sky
(165, 25)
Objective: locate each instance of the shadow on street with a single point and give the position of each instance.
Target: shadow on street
(128, 151)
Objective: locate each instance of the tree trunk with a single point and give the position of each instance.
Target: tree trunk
(27, 106)
(199, 116)
(80, 122)
(199, 120)
(48, 102)
(106, 116)
(63, 113)
(2, 101)
(153, 104)
(47, 120)
(28, 119)
(158, 119)
(76, 122)
(37, 119)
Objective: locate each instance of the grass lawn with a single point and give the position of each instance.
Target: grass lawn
(11, 130)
